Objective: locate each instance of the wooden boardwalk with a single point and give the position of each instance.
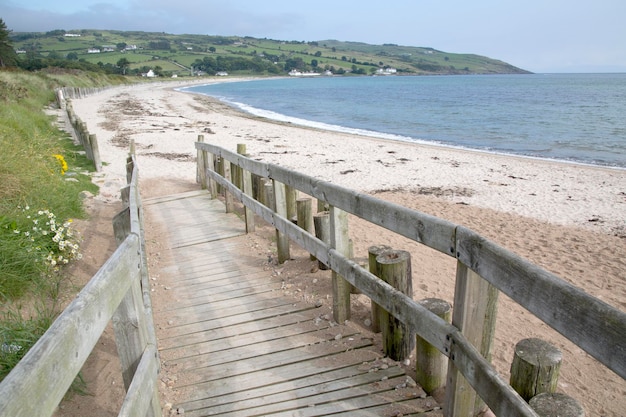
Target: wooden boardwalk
(240, 347)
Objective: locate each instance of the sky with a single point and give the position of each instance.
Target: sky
(537, 35)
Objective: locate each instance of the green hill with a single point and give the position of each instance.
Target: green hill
(167, 54)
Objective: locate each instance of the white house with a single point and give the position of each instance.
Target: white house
(386, 71)
(93, 51)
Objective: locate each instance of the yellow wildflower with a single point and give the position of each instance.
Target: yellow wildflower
(62, 162)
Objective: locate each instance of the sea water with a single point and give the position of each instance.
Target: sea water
(573, 117)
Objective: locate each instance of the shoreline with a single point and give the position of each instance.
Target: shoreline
(394, 138)
(272, 116)
(566, 218)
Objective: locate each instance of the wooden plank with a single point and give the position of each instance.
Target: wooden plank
(403, 408)
(263, 342)
(199, 374)
(330, 391)
(237, 293)
(179, 196)
(227, 286)
(195, 218)
(355, 404)
(215, 310)
(216, 322)
(303, 387)
(267, 329)
(206, 271)
(266, 351)
(259, 383)
(206, 275)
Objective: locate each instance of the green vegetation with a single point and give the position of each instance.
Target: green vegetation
(8, 56)
(43, 174)
(184, 55)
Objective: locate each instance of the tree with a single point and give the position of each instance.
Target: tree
(8, 57)
(123, 65)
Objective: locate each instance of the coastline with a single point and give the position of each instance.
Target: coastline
(441, 116)
(566, 217)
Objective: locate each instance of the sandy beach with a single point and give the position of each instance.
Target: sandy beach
(570, 219)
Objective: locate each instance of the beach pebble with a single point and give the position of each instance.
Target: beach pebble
(410, 382)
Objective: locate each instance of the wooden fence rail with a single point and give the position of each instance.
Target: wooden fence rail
(118, 292)
(483, 269)
(79, 132)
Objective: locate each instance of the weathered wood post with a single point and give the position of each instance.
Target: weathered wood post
(535, 368)
(432, 365)
(132, 149)
(305, 216)
(475, 308)
(268, 194)
(238, 171)
(219, 165)
(228, 197)
(394, 267)
(282, 240)
(322, 206)
(84, 134)
(556, 405)
(258, 189)
(201, 165)
(60, 98)
(321, 222)
(210, 166)
(372, 253)
(340, 242)
(95, 150)
(247, 189)
(292, 206)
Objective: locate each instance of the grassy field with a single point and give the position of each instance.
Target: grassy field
(42, 173)
(153, 49)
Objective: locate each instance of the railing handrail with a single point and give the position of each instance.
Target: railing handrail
(593, 325)
(39, 381)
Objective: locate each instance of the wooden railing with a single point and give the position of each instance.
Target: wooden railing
(78, 129)
(483, 270)
(119, 292)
